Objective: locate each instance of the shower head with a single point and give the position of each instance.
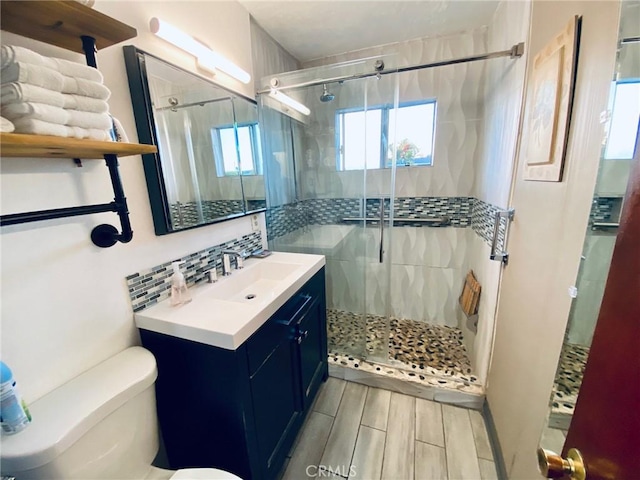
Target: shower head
(326, 95)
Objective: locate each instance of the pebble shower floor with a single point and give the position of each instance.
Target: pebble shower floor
(418, 351)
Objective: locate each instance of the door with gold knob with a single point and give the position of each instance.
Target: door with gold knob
(603, 438)
(596, 394)
(552, 465)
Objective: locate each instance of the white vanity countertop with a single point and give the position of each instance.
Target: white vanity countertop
(219, 314)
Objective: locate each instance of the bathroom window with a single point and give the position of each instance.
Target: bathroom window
(365, 139)
(226, 154)
(625, 112)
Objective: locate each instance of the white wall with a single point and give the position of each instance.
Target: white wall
(496, 160)
(546, 241)
(65, 305)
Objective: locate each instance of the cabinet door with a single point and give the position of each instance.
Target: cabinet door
(312, 350)
(274, 393)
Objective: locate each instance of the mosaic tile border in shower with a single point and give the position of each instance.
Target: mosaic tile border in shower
(462, 211)
(483, 220)
(285, 219)
(153, 285)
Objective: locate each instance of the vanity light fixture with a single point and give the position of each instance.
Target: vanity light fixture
(289, 102)
(207, 58)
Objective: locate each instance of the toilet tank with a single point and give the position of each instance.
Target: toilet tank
(100, 425)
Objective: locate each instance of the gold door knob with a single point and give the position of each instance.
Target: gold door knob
(552, 465)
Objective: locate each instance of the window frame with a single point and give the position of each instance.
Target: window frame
(384, 131)
(614, 91)
(256, 149)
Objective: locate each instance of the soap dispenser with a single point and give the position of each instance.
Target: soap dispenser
(179, 292)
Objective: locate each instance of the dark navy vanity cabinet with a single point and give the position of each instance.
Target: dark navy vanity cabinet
(240, 410)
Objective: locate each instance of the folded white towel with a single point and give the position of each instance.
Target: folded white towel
(38, 127)
(72, 69)
(61, 116)
(34, 75)
(100, 121)
(86, 104)
(6, 126)
(91, 134)
(23, 92)
(12, 54)
(36, 111)
(86, 88)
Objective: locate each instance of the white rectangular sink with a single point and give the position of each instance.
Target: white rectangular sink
(259, 283)
(226, 313)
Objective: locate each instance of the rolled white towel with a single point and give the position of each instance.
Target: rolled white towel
(13, 54)
(100, 121)
(86, 88)
(36, 111)
(34, 75)
(23, 92)
(39, 127)
(6, 126)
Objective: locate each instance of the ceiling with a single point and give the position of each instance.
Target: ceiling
(315, 29)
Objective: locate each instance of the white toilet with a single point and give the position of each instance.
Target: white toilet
(100, 425)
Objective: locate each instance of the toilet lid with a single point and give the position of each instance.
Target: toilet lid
(203, 474)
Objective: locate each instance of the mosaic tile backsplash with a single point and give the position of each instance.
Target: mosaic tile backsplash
(153, 285)
(187, 214)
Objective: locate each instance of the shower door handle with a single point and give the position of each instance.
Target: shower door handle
(381, 229)
(503, 256)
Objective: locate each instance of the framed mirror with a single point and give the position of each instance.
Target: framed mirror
(208, 138)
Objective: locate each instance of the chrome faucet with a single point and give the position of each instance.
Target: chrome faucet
(228, 255)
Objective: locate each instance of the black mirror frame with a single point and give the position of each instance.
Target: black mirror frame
(135, 64)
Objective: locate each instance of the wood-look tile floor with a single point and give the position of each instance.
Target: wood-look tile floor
(359, 432)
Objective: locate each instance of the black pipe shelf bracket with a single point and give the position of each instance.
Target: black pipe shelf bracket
(20, 145)
(103, 235)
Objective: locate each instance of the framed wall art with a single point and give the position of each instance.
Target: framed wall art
(548, 105)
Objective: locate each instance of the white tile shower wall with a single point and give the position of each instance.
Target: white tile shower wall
(458, 89)
(495, 165)
(65, 305)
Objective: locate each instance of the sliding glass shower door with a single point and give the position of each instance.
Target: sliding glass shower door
(344, 171)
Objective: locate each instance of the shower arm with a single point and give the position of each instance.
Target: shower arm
(514, 52)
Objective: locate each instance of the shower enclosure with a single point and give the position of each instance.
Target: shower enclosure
(373, 166)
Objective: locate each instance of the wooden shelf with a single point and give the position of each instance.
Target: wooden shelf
(62, 23)
(43, 146)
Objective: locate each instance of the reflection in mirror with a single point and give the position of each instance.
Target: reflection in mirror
(613, 176)
(249, 137)
(207, 138)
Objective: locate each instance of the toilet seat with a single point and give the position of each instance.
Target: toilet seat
(203, 474)
(156, 473)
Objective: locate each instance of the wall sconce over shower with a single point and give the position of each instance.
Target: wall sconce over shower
(206, 58)
(289, 102)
